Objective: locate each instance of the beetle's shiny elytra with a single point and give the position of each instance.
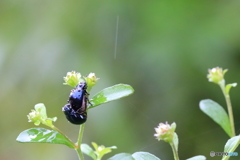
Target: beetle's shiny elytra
(75, 110)
(78, 95)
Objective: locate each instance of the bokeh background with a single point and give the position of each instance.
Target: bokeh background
(164, 49)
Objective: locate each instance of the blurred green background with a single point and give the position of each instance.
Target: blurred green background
(164, 49)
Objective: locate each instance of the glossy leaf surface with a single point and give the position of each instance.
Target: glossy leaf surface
(110, 94)
(231, 146)
(198, 158)
(134, 156)
(86, 149)
(42, 135)
(217, 113)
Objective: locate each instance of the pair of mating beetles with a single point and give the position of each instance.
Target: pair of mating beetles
(76, 109)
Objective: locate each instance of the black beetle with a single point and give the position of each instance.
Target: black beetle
(73, 116)
(75, 110)
(78, 95)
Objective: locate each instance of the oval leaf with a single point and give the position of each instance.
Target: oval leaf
(122, 156)
(217, 113)
(134, 156)
(144, 156)
(110, 94)
(231, 145)
(86, 149)
(197, 158)
(42, 135)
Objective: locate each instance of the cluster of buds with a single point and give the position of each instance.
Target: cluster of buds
(39, 115)
(216, 75)
(74, 78)
(165, 132)
(101, 150)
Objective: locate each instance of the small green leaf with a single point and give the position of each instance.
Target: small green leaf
(110, 94)
(134, 156)
(95, 146)
(231, 145)
(122, 156)
(101, 150)
(42, 135)
(40, 107)
(217, 113)
(197, 158)
(144, 156)
(39, 115)
(229, 86)
(175, 140)
(86, 149)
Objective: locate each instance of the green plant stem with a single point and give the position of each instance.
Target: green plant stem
(230, 112)
(58, 130)
(79, 142)
(175, 153)
(79, 153)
